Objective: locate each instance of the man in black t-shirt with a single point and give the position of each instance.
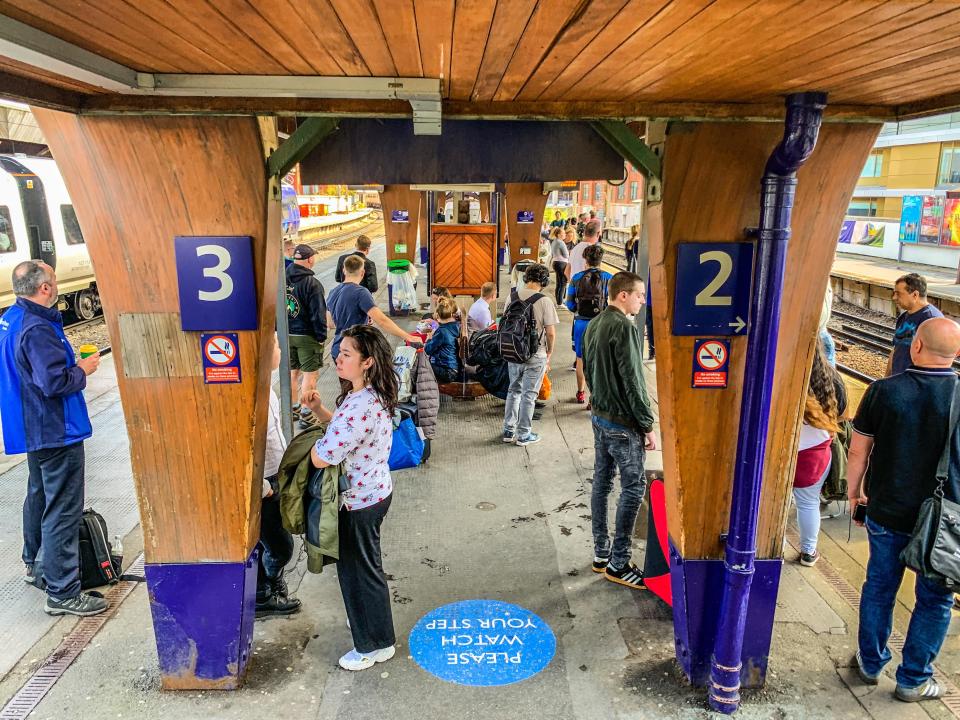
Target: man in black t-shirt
(362, 251)
(900, 431)
(910, 294)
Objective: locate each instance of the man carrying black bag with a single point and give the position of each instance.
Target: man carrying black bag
(900, 431)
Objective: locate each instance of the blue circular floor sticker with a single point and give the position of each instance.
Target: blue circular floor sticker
(482, 643)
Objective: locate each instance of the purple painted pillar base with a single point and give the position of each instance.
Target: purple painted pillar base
(424, 255)
(501, 256)
(203, 620)
(697, 588)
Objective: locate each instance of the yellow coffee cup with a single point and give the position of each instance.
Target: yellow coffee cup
(88, 350)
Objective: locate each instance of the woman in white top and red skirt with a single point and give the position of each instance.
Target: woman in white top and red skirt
(825, 404)
(360, 434)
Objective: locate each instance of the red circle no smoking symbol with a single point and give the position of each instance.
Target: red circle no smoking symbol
(220, 350)
(712, 355)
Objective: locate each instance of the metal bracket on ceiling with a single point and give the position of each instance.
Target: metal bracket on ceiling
(630, 147)
(304, 139)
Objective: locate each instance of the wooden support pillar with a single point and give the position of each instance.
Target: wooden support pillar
(401, 236)
(524, 237)
(710, 193)
(196, 449)
(423, 224)
(485, 215)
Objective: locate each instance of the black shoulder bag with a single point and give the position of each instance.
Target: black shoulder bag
(934, 549)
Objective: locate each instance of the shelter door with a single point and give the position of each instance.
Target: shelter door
(464, 257)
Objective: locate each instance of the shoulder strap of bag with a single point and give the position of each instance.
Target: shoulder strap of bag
(943, 468)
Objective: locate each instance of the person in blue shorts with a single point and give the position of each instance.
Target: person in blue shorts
(586, 298)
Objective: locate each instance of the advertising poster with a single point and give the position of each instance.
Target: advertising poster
(846, 232)
(931, 217)
(910, 219)
(950, 231)
(861, 232)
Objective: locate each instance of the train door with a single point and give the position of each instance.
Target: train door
(34, 203)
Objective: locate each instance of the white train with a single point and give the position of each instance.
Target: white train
(37, 221)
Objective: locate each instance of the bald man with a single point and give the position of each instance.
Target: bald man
(900, 432)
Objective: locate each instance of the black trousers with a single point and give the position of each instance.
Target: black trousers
(276, 544)
(52, 512)
(363, 584)
(560, 271)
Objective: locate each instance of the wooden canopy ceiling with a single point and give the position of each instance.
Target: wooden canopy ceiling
(516, 58)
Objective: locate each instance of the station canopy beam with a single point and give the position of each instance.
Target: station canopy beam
(632, 148)
(309, 133)
(48, 53)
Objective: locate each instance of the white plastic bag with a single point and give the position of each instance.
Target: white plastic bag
(403, 360)
(404, 292)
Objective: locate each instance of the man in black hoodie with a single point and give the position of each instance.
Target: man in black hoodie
(307, 325)
(362, 250)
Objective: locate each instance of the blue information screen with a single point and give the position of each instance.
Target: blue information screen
(400, 216)
(525, 217)
(482, 643)
(713, 288)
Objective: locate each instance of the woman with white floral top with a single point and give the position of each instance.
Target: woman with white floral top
(359, 435)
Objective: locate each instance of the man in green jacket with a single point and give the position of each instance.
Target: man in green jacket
(622, 424)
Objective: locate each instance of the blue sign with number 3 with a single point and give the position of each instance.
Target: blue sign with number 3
(215, 281)
(713, 288)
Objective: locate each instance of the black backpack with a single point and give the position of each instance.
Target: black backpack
(590, 296)
(99, 564)
(517, 332)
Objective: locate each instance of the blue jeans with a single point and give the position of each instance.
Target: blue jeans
(808, 514)
(51, 517)
(931, 614)
(525, 381)
(616, 447)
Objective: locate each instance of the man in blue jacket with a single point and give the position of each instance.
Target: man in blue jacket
(45, 416)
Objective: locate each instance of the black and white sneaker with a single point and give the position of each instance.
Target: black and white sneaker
(629, 575)
(82, 605)
(600, 563)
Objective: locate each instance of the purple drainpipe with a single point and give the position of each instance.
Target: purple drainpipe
(779, 184)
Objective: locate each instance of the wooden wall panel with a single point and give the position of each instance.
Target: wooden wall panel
(136, 182)
(524, 196)
(400, 197)
(711, 191)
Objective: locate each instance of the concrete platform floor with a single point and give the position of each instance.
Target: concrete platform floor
(483, 520)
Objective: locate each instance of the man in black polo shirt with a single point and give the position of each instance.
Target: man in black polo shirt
(900, 432)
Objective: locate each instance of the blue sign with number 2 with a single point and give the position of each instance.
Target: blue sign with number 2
(215, 280)
(713, 288)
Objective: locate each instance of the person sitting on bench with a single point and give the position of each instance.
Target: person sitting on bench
(441, 348)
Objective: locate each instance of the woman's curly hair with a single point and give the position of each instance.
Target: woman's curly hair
(821, 409)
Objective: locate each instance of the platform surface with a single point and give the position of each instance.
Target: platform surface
(880, 271)
(481, 520)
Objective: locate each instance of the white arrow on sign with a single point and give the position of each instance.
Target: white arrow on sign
(738, 325)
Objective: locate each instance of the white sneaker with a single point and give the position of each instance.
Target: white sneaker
(354, 660)
(348, 623)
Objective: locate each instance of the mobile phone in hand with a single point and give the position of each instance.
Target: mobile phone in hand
(860, 513)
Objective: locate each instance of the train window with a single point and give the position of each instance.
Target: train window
(71, 227)
(7, 242)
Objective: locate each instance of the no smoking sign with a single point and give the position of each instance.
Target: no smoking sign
(711, 363)
(221, 358)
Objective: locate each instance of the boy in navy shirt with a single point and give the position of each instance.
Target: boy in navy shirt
(441, 348)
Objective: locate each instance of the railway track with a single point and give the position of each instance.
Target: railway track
(613, 255)
(869, 334)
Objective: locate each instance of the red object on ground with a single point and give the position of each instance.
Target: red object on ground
(656, 566)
